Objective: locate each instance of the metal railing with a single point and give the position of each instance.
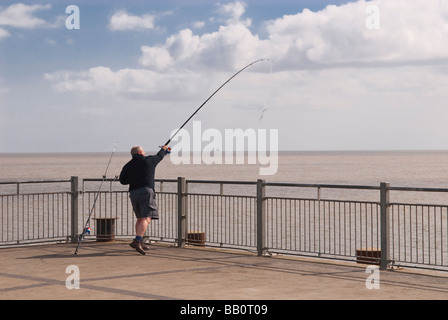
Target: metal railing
(28, 214)
(113, 202)
(419, 232)
(329, 221)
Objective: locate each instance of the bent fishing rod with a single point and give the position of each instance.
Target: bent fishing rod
(86, 229)
(208, 99)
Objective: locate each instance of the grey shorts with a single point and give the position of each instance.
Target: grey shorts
(144, 203)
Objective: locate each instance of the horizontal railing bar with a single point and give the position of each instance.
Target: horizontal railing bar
(222, 182)
(322, 200)
(35, 181)
(407, 204)
(418, 189)
(116, 180)
(270, 184)
(324, 186)
(35, 194)
(219, 195)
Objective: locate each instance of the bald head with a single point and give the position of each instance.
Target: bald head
(137, 150)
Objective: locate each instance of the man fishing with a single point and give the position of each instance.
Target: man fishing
(139, 174)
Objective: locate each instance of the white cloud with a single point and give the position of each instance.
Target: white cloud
(225, 49)
(412, 35)
(234, 11)
(121, 20)
(51, 42)
(199, 24)
(22, 16)
(337, 36)
(129, 82)
(4, 34)
(155, 58)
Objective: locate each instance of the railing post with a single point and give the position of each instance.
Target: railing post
(384, 199)
(74, 209)
(261, 236)
(181, 212)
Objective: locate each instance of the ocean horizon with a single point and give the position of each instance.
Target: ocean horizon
(427, 168)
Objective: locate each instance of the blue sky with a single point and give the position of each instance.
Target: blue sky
(42, 49)
(135, 70)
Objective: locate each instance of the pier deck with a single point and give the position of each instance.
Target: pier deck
(110, 271)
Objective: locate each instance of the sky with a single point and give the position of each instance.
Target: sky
(341, 75)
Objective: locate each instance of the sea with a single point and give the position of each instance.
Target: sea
(370, 168)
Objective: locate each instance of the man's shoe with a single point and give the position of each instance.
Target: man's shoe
(144, 246)
(137, 245)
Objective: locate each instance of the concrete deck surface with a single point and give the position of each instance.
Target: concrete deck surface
(112, 271)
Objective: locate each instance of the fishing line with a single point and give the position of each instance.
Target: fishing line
(266, 105)
(208, 99)
(86, 229)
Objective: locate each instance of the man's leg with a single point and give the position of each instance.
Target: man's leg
(140, 229)
(141, 225)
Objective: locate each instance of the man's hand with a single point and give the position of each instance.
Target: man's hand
(166, 149)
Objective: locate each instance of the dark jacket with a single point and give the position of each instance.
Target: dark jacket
(140, 171)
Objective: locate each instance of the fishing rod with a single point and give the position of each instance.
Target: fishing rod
(200, 107)
(86, 229)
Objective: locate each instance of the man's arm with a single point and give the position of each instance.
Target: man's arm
(124, 180)
(160, 155)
